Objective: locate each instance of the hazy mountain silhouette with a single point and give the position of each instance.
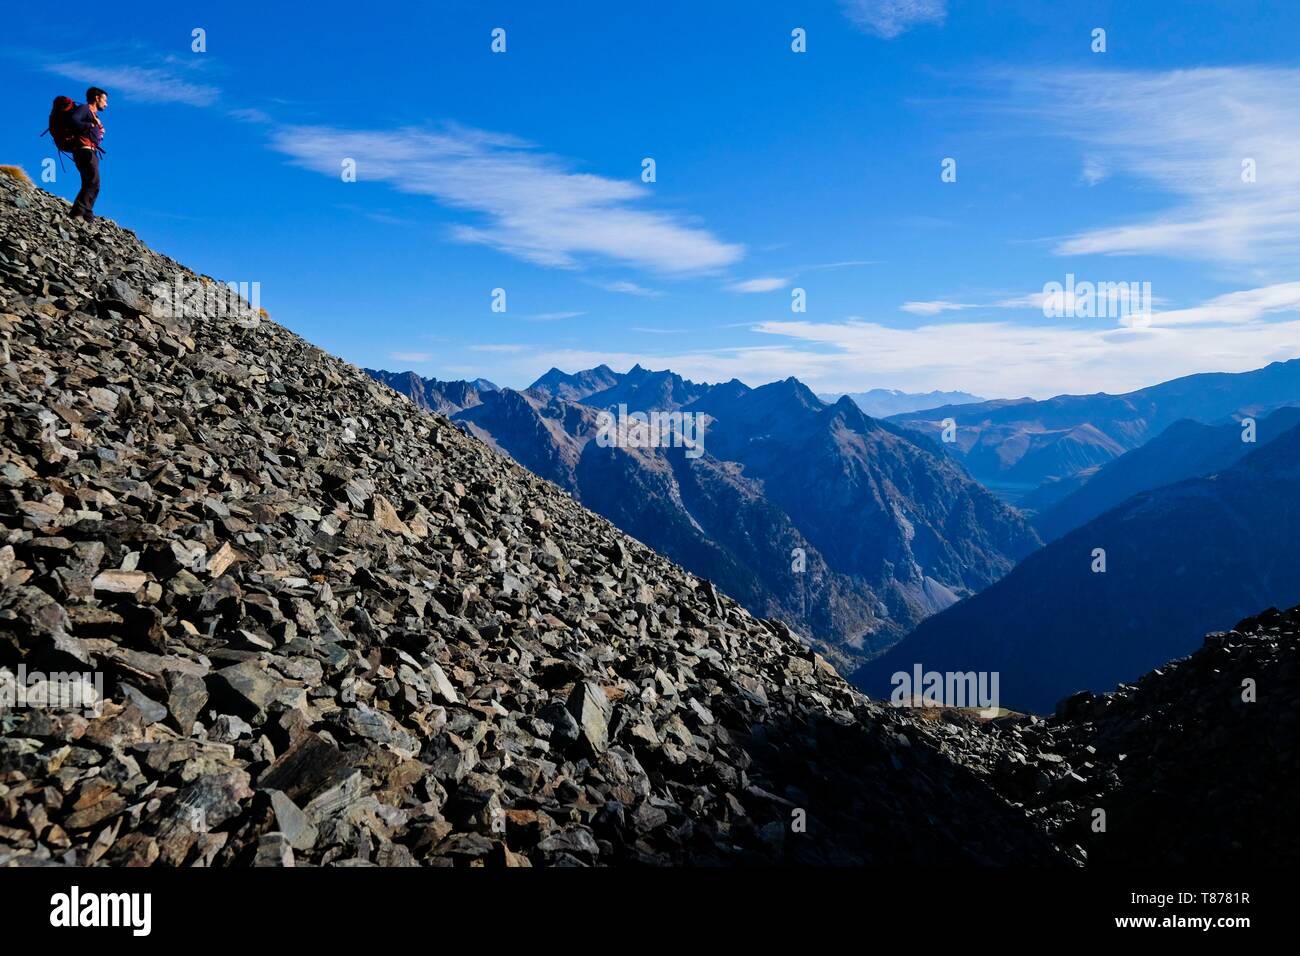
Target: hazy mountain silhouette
(1015, 445)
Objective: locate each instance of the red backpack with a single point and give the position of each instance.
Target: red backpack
(61, 129)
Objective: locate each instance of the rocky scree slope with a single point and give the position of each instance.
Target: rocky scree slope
(1191, 763)
(334, 630)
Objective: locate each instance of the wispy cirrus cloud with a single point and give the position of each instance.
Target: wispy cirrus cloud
(152, 84)
(891, 18)
(625, 287)
(532, 204)
(761, 284)
(1094, 170)
(1195, 135)
(550, 316)
(1120, 293)
(935, 306)
(844, 264)
(772, 283)
(410, 356)
(252, 115)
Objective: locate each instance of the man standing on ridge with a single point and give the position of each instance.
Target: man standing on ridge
(89, 134)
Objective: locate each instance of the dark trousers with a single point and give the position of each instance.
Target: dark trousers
(87, 161)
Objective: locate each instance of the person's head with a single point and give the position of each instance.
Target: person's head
(97, 98)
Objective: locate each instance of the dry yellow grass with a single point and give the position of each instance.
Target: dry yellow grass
(16, 172)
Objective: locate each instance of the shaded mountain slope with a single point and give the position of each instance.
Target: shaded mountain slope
(1185, 449)
(1195, 763)
(868, 498)
(1188, 764)
(1180, 558)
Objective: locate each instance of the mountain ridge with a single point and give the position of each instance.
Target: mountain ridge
(790, 562)
(1018, 445)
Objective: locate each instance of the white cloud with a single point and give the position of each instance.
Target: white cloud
(890, 18)
(551, 316)
(1234, 332)
(846, 264)
(1187, 133)
(629, 288)
(1235, 308)
(1118, 294)
(1094, 170)
(150, 84)
(764, 284)
(410, 356)
(533, 206)
(934, 307)
(1031, 300)
(251, 115)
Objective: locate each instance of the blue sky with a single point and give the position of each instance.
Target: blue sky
(775, 170)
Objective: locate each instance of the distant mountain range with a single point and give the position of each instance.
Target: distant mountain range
(1019, 447)
(862, 532)
(1178, 558)
(852, 530)
(883, 402)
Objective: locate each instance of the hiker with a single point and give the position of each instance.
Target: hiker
(76, 129)
(90, 133)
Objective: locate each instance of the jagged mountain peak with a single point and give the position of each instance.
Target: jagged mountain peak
(851, 413)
